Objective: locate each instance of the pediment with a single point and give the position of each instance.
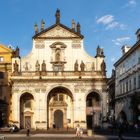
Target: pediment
(5, 49)
(58, 32)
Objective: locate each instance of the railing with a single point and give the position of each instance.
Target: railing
(61, 74)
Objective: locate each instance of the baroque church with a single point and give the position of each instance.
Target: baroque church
(58, 83)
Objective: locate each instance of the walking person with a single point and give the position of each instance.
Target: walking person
(78, 130)
(81, 132)
(28, 132)
(120, 131)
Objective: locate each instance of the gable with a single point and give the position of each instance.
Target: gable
(4, 49)
(58, 31)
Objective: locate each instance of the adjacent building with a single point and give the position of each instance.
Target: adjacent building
(5, 88)
(58, 83)
(127, 88)
(111, 97)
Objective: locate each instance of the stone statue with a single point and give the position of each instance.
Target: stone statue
(57, 15)
(93, 66)
(103, 67)
(76, 66)
(43, 66)
(16, 67)
(57, 55)
(16, 52)
(37, 66)
(26, 66)
(82, 66)
(98, 51)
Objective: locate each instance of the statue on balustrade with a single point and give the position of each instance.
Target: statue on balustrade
(37, 66)
(76, 66)
(16, 67)
(82, 66)
(103, 67)
(43, 66)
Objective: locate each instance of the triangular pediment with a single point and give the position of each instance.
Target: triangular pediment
(5, 49)
(58, 31)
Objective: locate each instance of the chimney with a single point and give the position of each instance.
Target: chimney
(125, 49)
(138, 34)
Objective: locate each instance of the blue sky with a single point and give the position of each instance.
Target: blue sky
(108, 23)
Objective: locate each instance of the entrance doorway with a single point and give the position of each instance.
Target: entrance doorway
(60, 108)
(28, 122)
(58, 119)
(93, 110)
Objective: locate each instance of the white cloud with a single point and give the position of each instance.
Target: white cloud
(109, 22)
(105, 19)
(120, 41)
(113, 59)
(112, 25)
(131, 3)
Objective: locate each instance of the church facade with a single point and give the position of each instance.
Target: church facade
(58, 84)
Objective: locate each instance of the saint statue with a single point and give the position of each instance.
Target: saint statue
(16, 67)
(37, 66)
(82, 66)
(103, 67)
(76, 66)
(43, 66)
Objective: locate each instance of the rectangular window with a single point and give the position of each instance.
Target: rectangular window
(0, 91)
(138, 60)
(123, 87)
(134, 83)
(1, 75)
(139, 82)
(1, 59)
(126, 86)
(130, 85)
(61, 97)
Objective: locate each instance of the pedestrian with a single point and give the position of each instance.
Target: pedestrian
(81, 132)
(78, 130)
(28, 132)
(120, 131)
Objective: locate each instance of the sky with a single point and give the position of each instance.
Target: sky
(107, 23)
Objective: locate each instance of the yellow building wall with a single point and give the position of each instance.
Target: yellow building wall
(6, 67)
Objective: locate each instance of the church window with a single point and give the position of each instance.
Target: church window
(28, 104)
(1, 59)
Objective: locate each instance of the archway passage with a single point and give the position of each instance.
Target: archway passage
(122, 117)
(60, 108)
(58, 119)
(93, 110)
(26, 110)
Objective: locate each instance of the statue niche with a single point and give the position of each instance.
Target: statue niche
(57, 55)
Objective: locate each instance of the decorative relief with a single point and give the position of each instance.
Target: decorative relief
(40, 44)
(76, 43)
(43, 90)
(58, 32)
